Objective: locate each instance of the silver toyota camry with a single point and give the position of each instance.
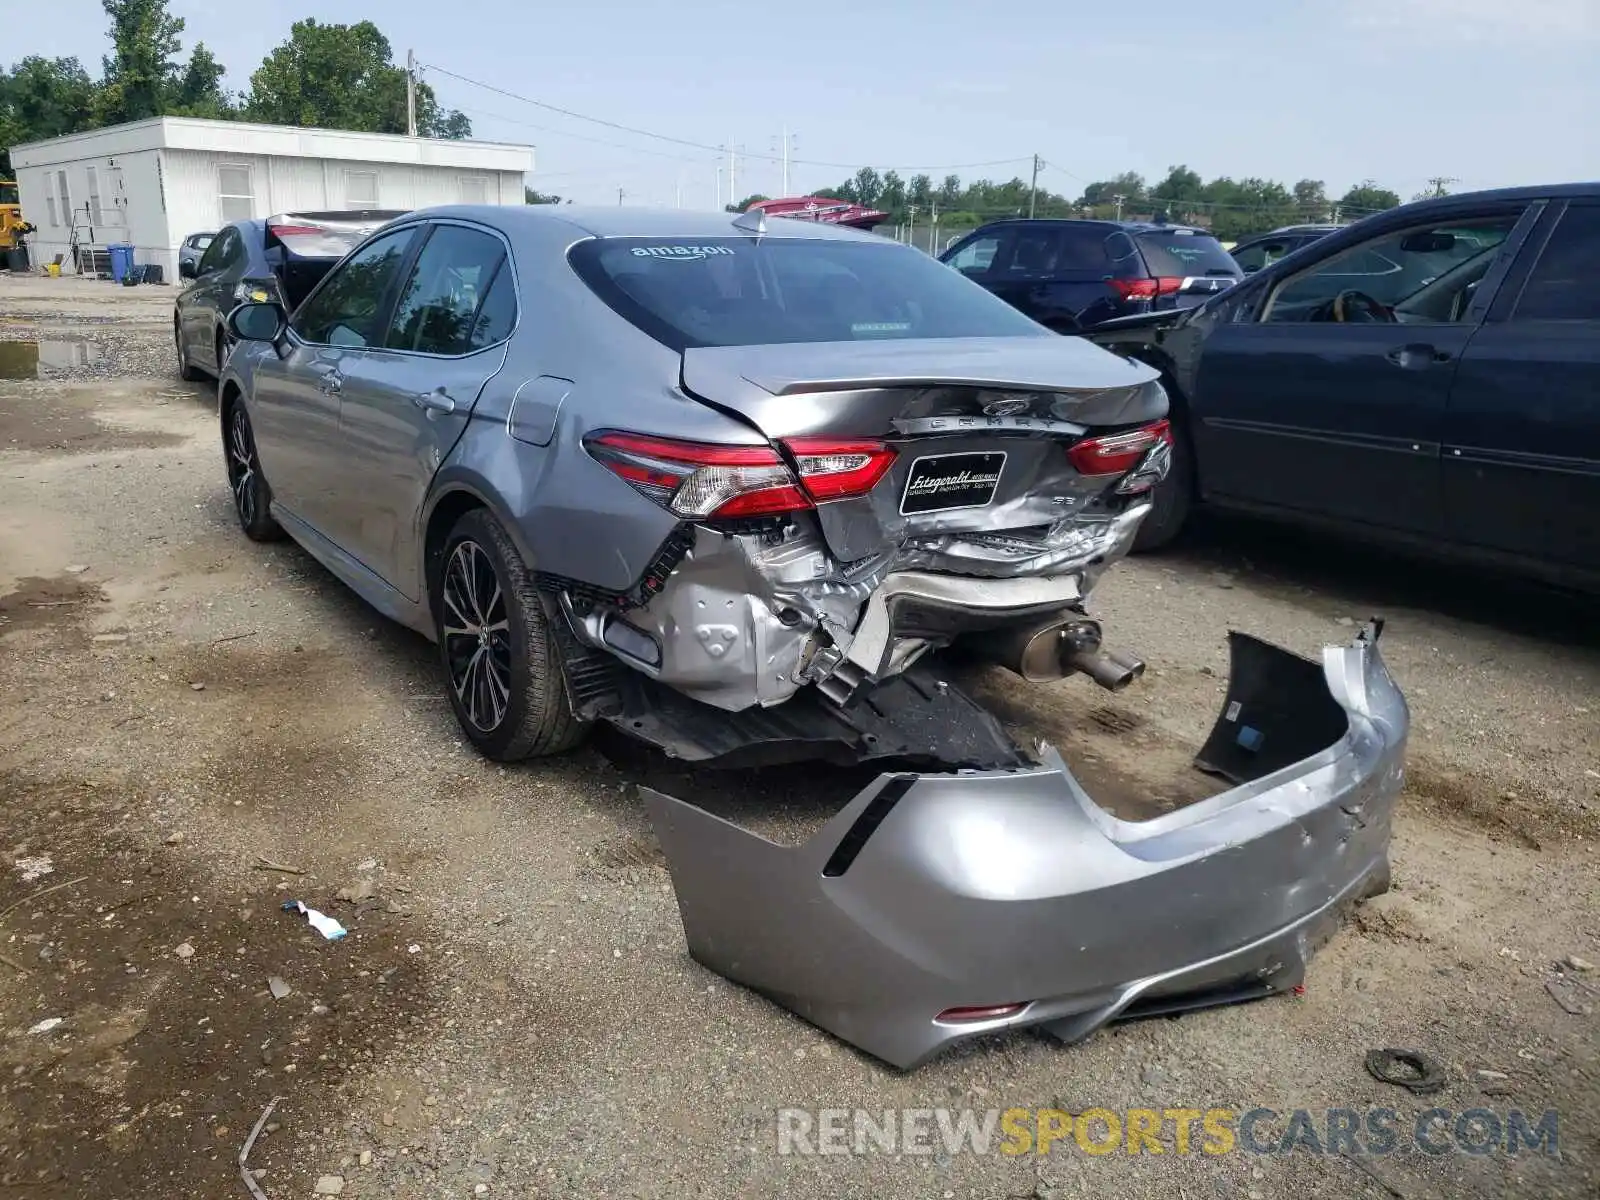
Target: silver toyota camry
(733, 485)
(725, 482)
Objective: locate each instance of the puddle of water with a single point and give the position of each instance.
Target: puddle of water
(32, 360)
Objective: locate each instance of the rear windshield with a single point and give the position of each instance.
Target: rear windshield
(1178, 254)
(748, 291)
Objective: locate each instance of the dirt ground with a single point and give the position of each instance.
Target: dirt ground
(183, 714)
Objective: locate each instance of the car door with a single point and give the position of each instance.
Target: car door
(1067, 276)
(202, 298)
(1326, 395)
(294, 403)
(1522, 437)
(407, 401)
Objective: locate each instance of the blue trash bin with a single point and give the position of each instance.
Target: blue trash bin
(121, 260)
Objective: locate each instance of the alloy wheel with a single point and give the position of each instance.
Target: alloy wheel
(477, 637)
(242, 467)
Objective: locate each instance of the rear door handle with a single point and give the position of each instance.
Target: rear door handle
(1416, 356)
(438, 400)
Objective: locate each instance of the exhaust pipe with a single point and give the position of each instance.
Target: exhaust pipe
(1110, 669)
(1060, 646)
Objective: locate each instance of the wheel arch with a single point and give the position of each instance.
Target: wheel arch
(450, 500)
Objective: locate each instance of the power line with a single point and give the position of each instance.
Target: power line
(677, 141)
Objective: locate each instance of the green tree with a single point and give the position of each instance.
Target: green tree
(42, 98)
(341, 77)
(920, 191)
(866, 186)
(534, 197)
(199, 91)
(950, 192)
(744, 205)
(1311, 199)
(1367, 197)
(141, 72)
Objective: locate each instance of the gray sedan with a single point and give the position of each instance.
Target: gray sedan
(717, 481)
(731, 485)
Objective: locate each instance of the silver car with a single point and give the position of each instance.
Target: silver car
(722, 482)
(731, 485)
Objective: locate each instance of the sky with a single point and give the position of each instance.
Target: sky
(1487, 92)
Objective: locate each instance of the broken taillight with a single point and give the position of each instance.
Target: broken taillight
(988, 1012)
(834, 469)
(1116, 453)
(697, 479)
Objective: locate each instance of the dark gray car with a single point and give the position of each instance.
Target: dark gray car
(686, 473)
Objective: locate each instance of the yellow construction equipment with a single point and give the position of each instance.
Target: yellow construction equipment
(12, 226)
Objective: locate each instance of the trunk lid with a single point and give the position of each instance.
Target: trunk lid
(304, 246)
(980, 426)
(875, 388)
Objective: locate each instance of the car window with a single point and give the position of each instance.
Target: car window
(1565, 284)
(440, 301)
(497, 315)
(1181, 253)
(201, 240)
(1253, 257)
(1395, 271)
(348, 308)
(745, 291)
(976, 256)
(216, 253)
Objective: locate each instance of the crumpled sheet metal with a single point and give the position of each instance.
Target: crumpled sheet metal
(998, 888)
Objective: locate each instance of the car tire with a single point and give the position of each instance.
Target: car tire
(501, 664)
(1172, 498)
(252, 497)
(186, 372)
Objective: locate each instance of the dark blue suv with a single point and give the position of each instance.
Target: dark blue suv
(1069, 275)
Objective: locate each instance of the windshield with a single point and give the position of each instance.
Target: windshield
(748, 291)
(9, 194)
(1178, 254)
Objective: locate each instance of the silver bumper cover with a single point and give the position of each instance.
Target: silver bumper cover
(976, 890)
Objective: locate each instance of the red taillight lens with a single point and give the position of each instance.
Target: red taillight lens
(832, 469)
(695, 479)
(1168, 285)
(1134, 289)
(293, 230)
(989, 1012)
(1117, 452)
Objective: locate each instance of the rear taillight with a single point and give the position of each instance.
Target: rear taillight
(831, 469)
(294, 230)
(1134, 289)
(693, 479)
(1117, 453)
(1168, 285)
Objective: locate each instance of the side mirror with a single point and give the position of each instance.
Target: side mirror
(257, 322)
(187, 270)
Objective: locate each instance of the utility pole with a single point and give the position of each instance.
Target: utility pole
(933, 234)
(733, 171)
(716, 205)
(787, 146)
(911, 230)
(620, 194)
(1439, 183)
(1117, 200)
(411, 94)
(1033, 188)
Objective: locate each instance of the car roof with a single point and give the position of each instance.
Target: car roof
(1096, 222)
(604, 222)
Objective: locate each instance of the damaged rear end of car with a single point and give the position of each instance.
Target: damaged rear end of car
(892, 496)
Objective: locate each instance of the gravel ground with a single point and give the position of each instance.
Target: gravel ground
(183, 712)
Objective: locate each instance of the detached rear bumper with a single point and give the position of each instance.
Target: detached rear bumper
(929, 893)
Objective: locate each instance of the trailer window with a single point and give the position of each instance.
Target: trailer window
(235, 194)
